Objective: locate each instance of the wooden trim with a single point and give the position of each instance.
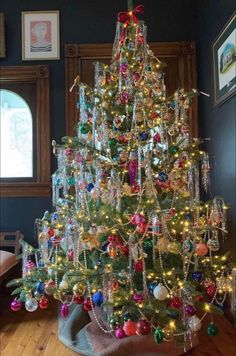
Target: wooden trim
(75, 53)
(38, 74)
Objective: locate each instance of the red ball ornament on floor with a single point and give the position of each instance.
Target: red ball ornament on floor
(138, 266)
(87, 304)
(129, 328)
(43, 303)
(176, 303)
(78, 299)
(143, 327)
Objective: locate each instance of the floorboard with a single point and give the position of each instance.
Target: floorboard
(24, 334)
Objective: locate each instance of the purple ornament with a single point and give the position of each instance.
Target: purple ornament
(190, 309)
(119, 333)
(16, 305)
(133, 166)
(123, 68)
(138, 298)
(64, 310)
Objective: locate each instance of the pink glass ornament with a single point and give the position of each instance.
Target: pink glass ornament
(136, 76)
(124, 98)
(30, 265)
(138, 298)
(64, 310)
(123, 68)
(16, 305)
(157, 137)
(119, 333)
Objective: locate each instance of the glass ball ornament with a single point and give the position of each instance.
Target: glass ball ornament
(160, 292)
(138, 298)
(175, 302)
(64, 310)
(50, 287)
(78, 289)
(31, 304)
(168, 333)
(151, 287)
(173, 247)
(201, 249)
(87, 305)
(40, 287)
(187, 246)
(84, 128)
(211, 290)
(162, 244)
(43, 303)
(138, 266)
(16, 305)
(212, 329)
(162, 176)
(190, 309)
(78, 299)
(213, 245)
(129, 327)
(144, 136)
(197, 276)
(194, 323)
(98, 298)
(158, 335)
(120, 333)
(143, 327)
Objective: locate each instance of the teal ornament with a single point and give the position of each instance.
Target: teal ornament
(85, 128)
(147, 245)
(212, 329)
(88, 106)
(173, 149)
(112, 142)
(71, 181)
(158, 335)
(187, 246)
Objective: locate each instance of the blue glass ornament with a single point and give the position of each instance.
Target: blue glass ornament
(98, 298)
(188, 216)
(89, 187)
(143, 136)
(49, 244)
(104, 247)
(40, 263)
(197, 276)
(151, 287)
(54, 216)
(40, 287)
(162, 176)
(173, 105)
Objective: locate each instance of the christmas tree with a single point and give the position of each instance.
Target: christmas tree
(129, 232)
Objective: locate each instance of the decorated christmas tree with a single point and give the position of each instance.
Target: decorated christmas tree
(129, 233)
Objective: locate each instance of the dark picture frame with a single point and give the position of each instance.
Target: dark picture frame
(224, 62)
(2, 36)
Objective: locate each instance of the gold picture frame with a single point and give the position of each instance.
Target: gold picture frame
(2, 36)
(224, 62)
(40, 35)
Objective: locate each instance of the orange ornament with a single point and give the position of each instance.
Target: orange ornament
(129, 328)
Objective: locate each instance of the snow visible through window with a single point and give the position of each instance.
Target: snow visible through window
(16, 136)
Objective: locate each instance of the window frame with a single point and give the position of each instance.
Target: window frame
(41, 186)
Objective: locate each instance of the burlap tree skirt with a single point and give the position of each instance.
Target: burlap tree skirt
(81, 333)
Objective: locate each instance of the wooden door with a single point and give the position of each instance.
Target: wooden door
(180, 58)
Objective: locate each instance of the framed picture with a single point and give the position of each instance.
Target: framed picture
(40, 35)
(224, 62)
(2, 36)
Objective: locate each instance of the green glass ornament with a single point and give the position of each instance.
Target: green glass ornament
(71, 181)
(173, 149)
(158, 335)
(88, 106)
(85, 128)
(212, 329)
(147, 245)
(175, 218)
(102, 238)
(112, 142)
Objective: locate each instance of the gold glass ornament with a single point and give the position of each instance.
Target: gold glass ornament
(162, 244)
(79, 289)
(173, 247)
(58, 295)
(168, 334)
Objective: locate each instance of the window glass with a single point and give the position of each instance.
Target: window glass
(16, 134)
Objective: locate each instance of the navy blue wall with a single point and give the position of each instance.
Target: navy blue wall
(93, 21)
(81, 21)
(218, 122)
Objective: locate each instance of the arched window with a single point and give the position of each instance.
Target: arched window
(16, 136)
(24, 131)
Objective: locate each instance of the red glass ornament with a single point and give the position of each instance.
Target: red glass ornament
(141, 228)
(201, 249)
(71, 255)
(51, 232)
(138, 266)
(175, 302)
(125, 249)
(87, 304)
(199, 298)
(129, 328)
(43, 303)
(78, 299)
(211, 289)
(157, 137)
(143, 327)
(135, 188)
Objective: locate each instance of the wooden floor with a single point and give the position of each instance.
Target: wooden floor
(26, 334)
